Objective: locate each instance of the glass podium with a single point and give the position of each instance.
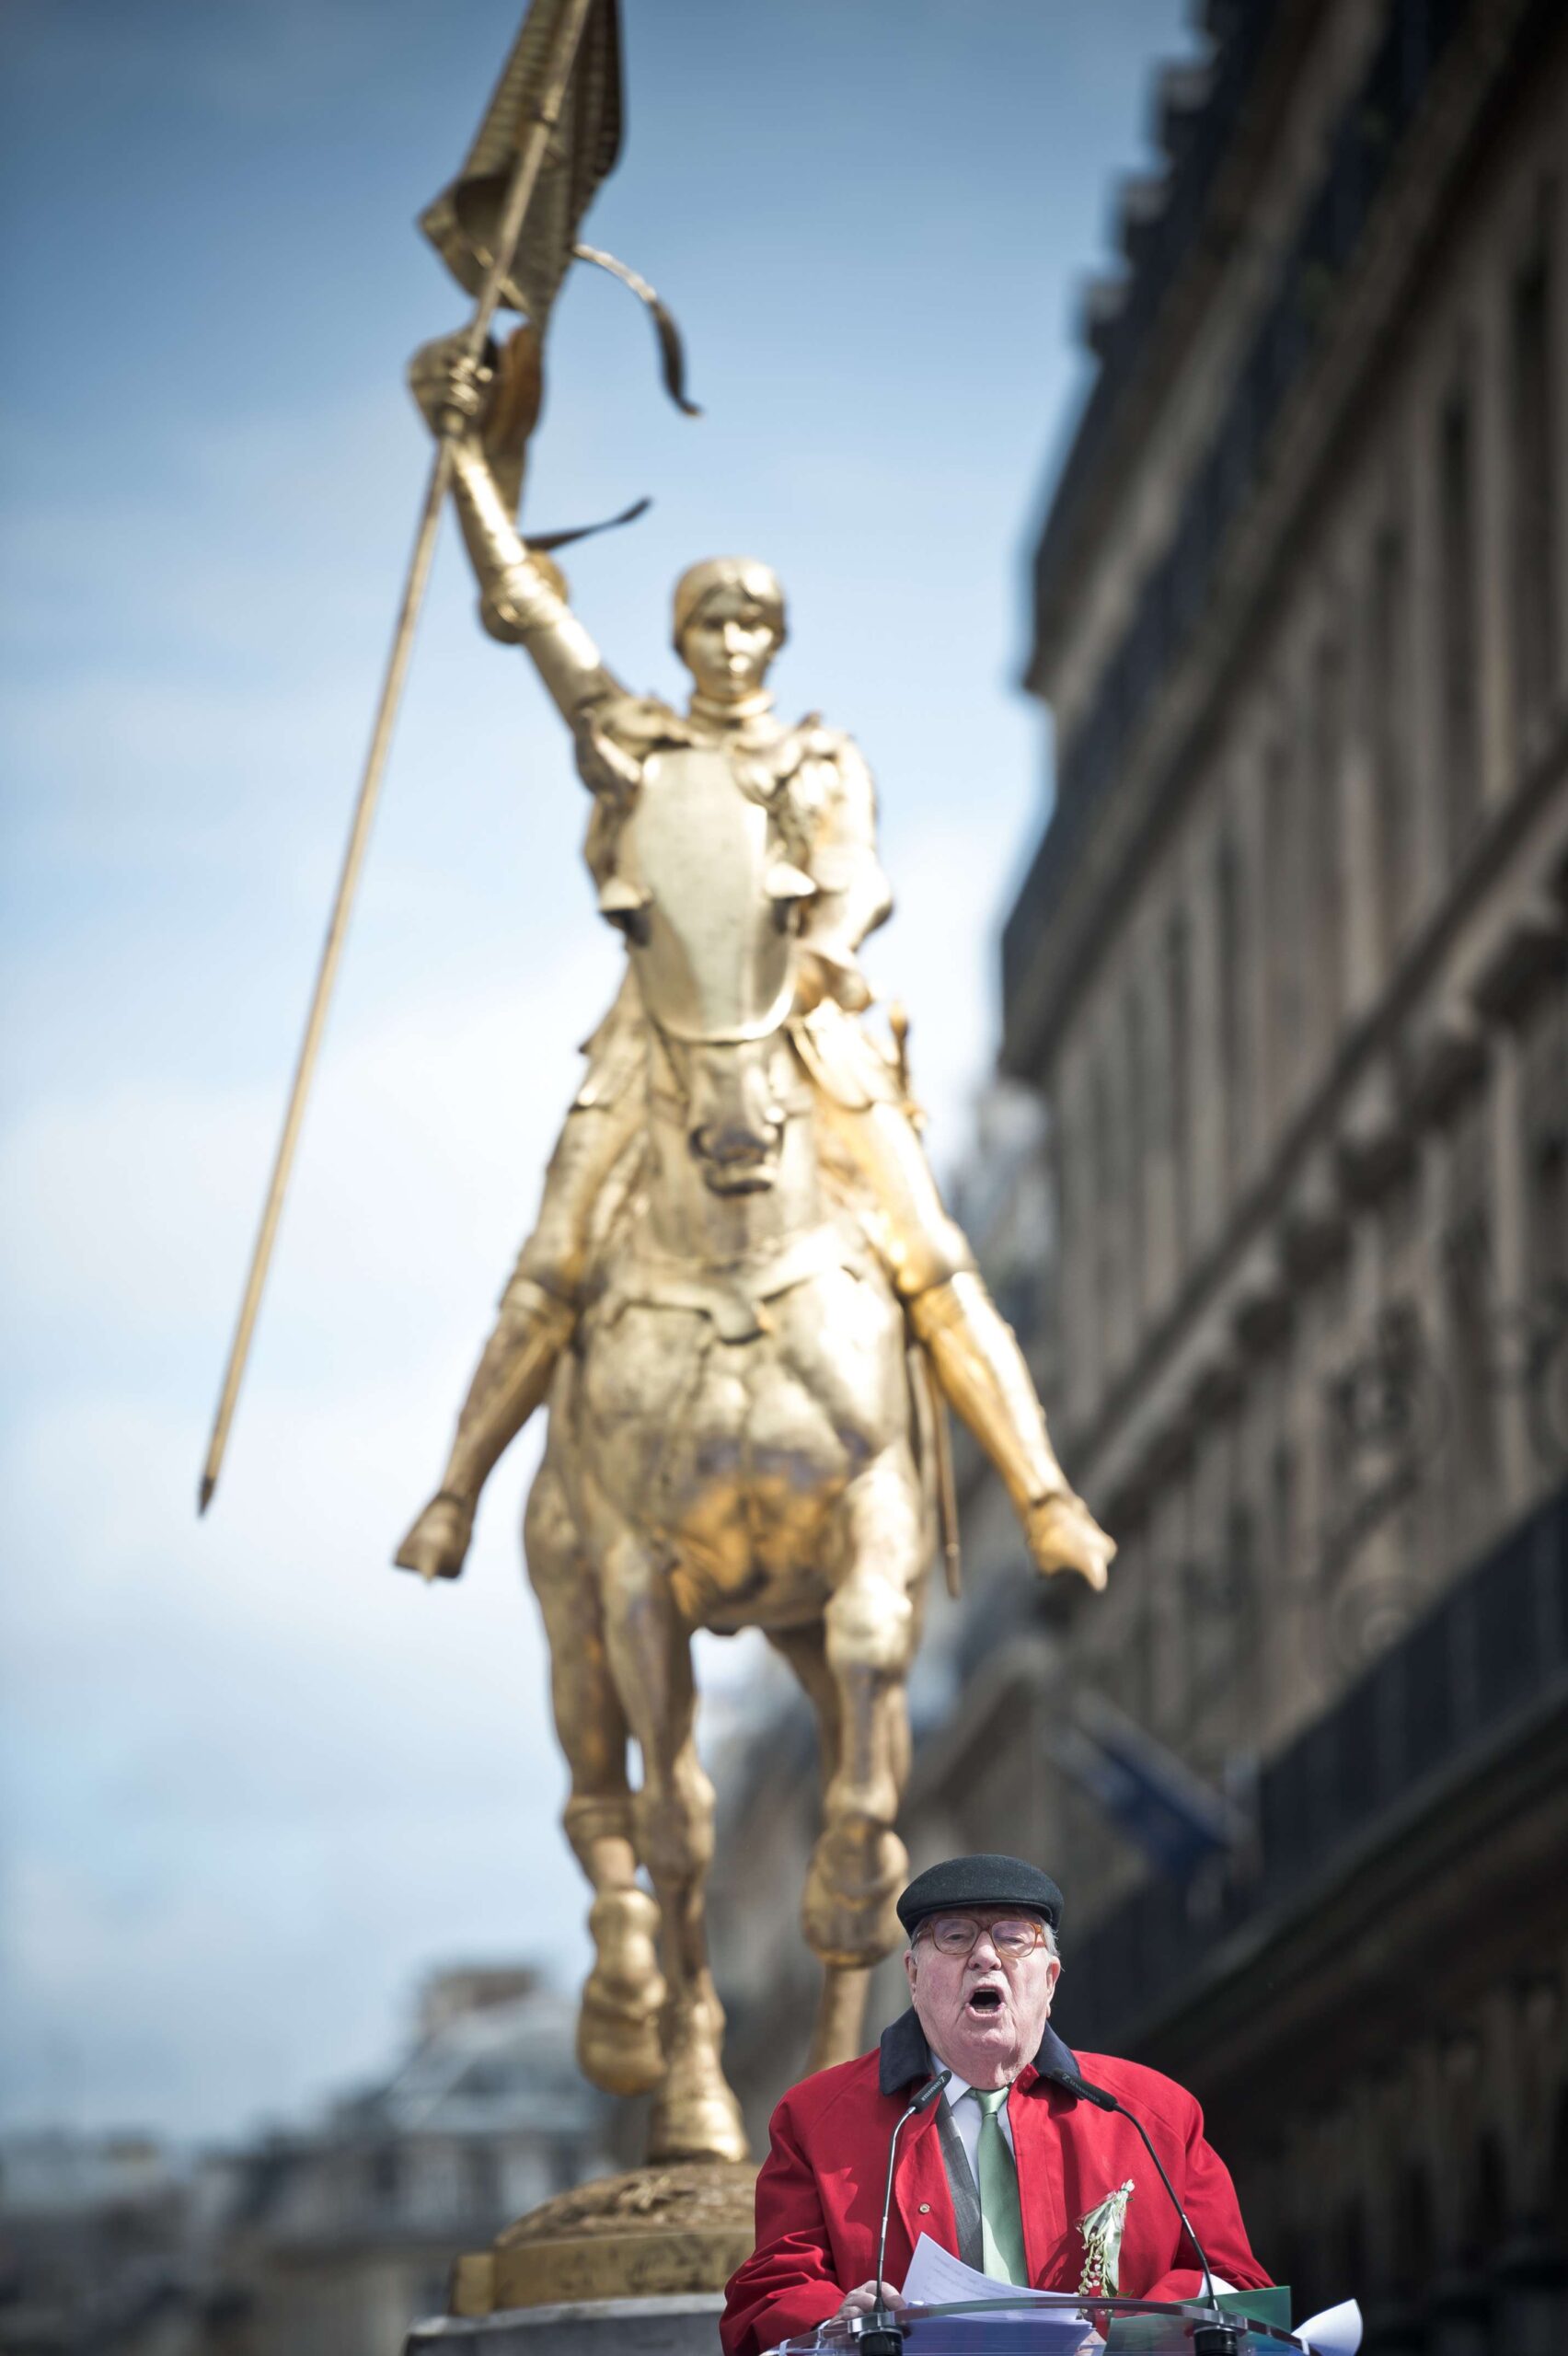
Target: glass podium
(1042, 2327)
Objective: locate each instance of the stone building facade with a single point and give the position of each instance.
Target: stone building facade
(1290, 973)
(1291, 970)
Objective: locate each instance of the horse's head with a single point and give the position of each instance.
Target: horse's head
(710, 907)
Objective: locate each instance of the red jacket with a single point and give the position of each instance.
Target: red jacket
(819, 2194)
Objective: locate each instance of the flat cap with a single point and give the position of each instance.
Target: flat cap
(980, 1881)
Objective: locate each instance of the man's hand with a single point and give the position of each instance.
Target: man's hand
(447, 383)
(863, 2298)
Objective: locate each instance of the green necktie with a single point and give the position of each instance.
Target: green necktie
(1002, 2221)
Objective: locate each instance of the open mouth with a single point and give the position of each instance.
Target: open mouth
(984, 2001)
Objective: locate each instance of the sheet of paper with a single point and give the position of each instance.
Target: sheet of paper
(1335, 2332)
(936, 2278)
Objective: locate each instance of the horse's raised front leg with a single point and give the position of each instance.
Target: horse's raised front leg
(696, 2115)
(619, 2044)
(871, 1628)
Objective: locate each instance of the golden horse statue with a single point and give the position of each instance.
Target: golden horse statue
(740, 1288)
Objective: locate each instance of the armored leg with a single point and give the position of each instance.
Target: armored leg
(972, 1350)
(921, 1245)
(538, 1310)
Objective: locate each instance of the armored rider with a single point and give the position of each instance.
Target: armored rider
(728, 626)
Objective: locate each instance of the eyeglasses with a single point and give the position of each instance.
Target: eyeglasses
(956, 1934)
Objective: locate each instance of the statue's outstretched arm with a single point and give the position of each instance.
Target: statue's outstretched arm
(519, 602)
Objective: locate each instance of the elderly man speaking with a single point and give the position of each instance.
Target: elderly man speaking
(1010, 2170)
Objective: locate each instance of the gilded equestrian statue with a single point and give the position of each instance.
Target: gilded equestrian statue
(740, 1287)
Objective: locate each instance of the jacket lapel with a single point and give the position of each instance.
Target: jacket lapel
(921, 2195)
(920, 2190)
(1036, 2114)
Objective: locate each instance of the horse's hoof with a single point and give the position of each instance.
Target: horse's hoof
(848, 1912)
(618, 2028)
(617, 2049)
(696, 2123)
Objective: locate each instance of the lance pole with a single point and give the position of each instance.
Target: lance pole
(531, 154)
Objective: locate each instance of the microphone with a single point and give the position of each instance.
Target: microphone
(880, 2333)
(1223, 2336)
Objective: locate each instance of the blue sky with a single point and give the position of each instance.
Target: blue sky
(253, 1783)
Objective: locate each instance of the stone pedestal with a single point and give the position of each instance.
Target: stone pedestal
(684, 2326)
(635, 2263)
(671, 2230)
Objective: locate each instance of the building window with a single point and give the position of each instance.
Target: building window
(1544, 1045)
(1232, 1043)
(1414, 2238)
(1459, 625)
(1487, 2221)
(1179, 996)
(1100, 1206)
(1210, 1619)
(1218, 1591)
(1134, 1684)
(1282, 1518)
(1061, 1164)
(482, 2187)
(1349, 2242)
(1535, 496)
(1470, 1460)
(1137, 1144)
(429, 2298)
(1388, 731)
(1325, 830)
(1081, 1246)
(1283, 886)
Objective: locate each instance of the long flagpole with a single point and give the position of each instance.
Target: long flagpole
(525, 178)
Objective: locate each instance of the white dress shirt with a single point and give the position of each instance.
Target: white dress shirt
(966, 2119)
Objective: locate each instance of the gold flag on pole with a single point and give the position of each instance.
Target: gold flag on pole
(463, 221)
(544, 139)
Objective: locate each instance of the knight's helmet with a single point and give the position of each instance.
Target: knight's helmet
(757, 582)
